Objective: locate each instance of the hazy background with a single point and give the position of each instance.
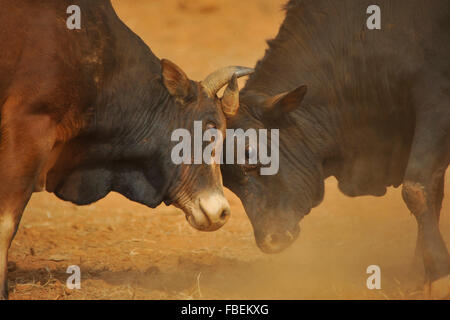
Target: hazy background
(128, 251)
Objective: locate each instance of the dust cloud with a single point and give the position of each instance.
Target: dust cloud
(128, 251)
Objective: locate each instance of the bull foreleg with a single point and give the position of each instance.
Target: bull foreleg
(439, 196)
(423, 193)
(26, 141)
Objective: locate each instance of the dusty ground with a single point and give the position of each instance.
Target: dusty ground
(128, 251)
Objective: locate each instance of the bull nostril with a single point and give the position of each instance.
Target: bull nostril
(274, 239)
(279, 240)
(225, 214)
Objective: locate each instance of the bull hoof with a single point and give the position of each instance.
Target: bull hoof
(4, 295)
(438, 290)
(4, 291)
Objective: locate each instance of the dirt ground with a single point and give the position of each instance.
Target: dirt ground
(128, 251)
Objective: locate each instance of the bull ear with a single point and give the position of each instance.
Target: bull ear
(287, 102)
(174, 79)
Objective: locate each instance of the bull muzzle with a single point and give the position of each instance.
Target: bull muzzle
(211, 212)
(275, 242)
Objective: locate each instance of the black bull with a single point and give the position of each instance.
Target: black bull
(91, 110)
(376, 114)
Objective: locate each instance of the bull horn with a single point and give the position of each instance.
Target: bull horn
(219, 78)
(230, 99)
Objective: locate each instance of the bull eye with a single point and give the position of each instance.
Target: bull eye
(251, 153)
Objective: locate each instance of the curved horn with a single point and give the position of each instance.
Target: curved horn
(219, 78)
(230, 99)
